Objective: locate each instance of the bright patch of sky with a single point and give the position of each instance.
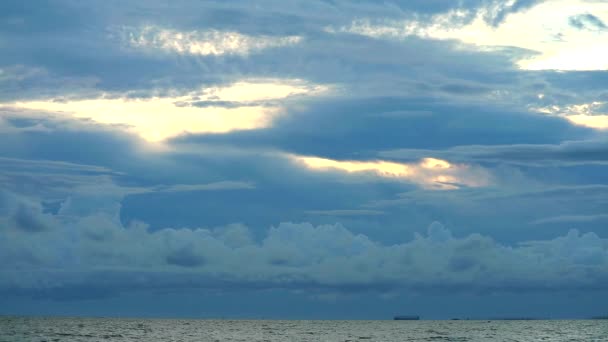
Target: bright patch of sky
(586, 114)
(429, 173)
(254, 104)
(564, 35)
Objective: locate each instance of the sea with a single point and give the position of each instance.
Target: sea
(38, 329)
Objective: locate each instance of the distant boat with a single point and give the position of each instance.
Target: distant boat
(406, 318)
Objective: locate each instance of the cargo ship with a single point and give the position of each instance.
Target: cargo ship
(406, 318)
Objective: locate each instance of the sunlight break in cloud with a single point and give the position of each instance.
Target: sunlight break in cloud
(585, 114)
(430, 173)
(203, 43)
(568, 35)
(159, 118)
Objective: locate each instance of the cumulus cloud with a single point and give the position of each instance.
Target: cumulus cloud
(294, 256)
(23, 214)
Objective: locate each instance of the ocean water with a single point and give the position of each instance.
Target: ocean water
(17, 329)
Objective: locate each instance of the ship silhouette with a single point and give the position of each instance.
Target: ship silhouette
(406, 318)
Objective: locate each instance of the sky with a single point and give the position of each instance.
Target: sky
(324, 159)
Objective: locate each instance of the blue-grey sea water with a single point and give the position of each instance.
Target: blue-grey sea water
(16, 329)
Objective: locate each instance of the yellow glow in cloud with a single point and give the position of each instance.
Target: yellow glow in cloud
(430, 173)
(158, 118)
(203, 43)
(382, 168)
(592, 121)
(544, 28)
(264, 90)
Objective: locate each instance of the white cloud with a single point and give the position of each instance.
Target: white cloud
(430, 173)
(211, 42)
(546, 28)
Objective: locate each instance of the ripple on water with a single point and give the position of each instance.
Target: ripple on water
(23, 329)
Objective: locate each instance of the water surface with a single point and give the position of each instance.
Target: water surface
(17, 329)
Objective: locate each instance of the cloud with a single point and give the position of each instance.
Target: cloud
(333, 111)
(292, 256)
(358, 128)
(587, 22)
(571, 219)
(564, 154)
(585, 114)
(559, 46)
(160, 117)
(346, 212)
(23, 214)
(203, 43)
(51, 165)
(593, 121)
(429, 173)
(224, 185)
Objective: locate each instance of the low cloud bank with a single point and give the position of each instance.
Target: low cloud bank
(44, 253)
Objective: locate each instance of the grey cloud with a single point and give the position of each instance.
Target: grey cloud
(23, 214)
(225, 104)
(185, 257)
(571, 219)
(510, 206)
(16, 164)
(73, 65)
(298, 256)
(501, 9)
(30, 220)
(346, 212)
(223, 185)
(360, 129)
(564, 153)
(587, 22)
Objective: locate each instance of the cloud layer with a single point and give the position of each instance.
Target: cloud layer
(303, 146)
(51, 253)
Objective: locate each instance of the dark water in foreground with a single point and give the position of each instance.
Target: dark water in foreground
(13, 329)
